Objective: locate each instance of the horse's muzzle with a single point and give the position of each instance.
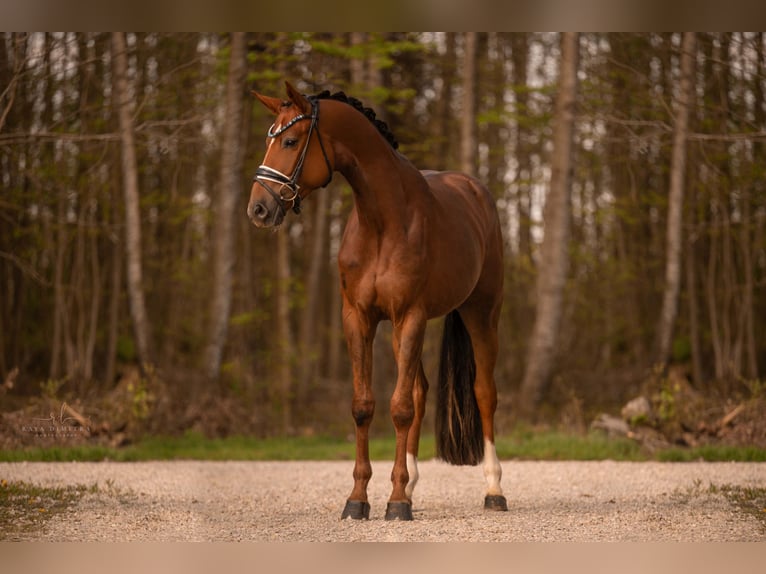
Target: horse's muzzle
(265, 213)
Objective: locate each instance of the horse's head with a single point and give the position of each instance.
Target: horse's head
(296, 160)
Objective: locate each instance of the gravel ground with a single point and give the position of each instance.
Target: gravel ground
(302, 501)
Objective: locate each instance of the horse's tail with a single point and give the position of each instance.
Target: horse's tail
(458, 424)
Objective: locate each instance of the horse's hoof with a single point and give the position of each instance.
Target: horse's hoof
(495, 502)
(399, 511)
(356, 509)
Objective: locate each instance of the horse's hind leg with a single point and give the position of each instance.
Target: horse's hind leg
(482, 326)
(419, 393)
(408, 344)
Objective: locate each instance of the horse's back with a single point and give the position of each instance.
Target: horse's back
(463, 194)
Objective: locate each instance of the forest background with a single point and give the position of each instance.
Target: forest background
(135, 292)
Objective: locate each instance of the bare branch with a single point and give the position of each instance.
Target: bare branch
(25, 268)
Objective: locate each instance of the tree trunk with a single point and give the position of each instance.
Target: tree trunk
(59, 300)
(443, 111)
(131, 197)
(308, 334)
(335, 336)
(224, 228)
(284, 330)
(113, 327)
(519, 56)
(755, 215)
(283, 288)
(468, 108)
(692, 288)
(60, 323)
(555, 255)
(669, 310)
(95, 306)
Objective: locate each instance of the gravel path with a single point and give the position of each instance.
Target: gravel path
(302, 501)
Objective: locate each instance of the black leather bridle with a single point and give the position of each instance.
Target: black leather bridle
(265, 173)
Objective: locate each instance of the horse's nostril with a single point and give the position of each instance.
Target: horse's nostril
(259, 211)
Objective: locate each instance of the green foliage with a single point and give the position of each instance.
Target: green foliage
(141, 398)
(126, 349)
(756, 387)
(51, 387)
(382, 48)
(682, 349)
(248, 318)
(666, 408)
(492, 117)
(665, 398)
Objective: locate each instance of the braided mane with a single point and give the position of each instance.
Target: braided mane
(369, 113)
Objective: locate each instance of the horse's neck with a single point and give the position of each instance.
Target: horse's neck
(381, 179)
(379, 196)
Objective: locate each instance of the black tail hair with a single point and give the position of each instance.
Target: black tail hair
(458, 424)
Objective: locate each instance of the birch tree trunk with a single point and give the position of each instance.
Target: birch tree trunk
(669, 310)
(131, 197)
(554, 260)
(225, 202)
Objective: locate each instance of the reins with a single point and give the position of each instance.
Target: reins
(264, 172)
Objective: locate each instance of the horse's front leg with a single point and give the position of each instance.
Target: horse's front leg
(359, 331)
(408, 346)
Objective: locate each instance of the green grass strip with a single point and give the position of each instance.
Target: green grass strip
(519, 445)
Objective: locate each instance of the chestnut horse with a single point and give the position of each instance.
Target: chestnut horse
(417, 245)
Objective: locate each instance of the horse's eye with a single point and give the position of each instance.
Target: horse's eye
(289, 142)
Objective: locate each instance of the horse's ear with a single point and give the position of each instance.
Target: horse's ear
(272, 104)
(298, 99)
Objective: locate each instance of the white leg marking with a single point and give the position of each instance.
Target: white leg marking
(492, 471)
(412, 470)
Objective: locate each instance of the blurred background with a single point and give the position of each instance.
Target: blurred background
(134, 290)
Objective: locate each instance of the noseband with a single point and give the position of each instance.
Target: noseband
(265, 173)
